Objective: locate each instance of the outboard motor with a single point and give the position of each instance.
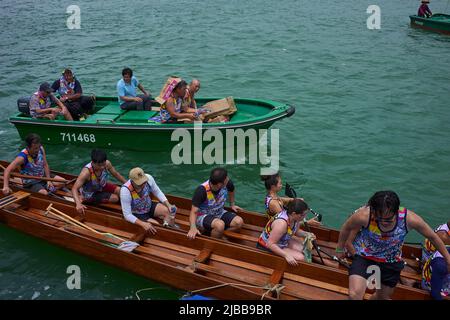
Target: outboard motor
(23, 104)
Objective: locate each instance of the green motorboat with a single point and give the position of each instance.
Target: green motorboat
(437, 23)
(111, 127)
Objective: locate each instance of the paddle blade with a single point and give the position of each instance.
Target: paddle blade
(128, 246)
(289, 191)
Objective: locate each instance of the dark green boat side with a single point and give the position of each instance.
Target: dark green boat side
(111, 127)
(437, 23)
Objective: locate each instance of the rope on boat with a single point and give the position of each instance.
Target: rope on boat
(268, 287)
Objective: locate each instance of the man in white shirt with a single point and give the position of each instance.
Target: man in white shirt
(137, 205)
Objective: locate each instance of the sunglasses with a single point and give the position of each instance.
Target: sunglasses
(389, 219)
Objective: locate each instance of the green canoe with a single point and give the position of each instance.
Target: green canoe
(111, 127)
(437, 23)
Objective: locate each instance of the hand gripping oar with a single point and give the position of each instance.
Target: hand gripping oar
(290, 192)
(125, 245)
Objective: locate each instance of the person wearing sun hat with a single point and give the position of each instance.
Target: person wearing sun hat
(41, 104)
(137, 204)
(424, 10)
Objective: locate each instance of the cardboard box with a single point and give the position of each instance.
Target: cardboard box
(167, 89)
(222, 107)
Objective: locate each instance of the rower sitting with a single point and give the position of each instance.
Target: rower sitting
(424, 10)
(137, 204)
(33, 163)
(435, 275)
(278, 235)
(92, 183)
(208, 213)
(274, 204)
(41, 101)
(172, 109)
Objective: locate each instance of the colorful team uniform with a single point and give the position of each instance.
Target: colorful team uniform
(32, 166)
(386, 247)
(383, 249)
(97, 189)
(284, 241)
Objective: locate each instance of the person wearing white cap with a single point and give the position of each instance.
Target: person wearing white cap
(137, 205)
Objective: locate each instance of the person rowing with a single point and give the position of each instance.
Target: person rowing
(92, 185)
(424, 11)
(281, 232)
(208, 213)
(274, 204)
(32, 162)
(435, 275)
(382, 226)
(137, 205)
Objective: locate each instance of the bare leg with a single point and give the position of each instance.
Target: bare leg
(384, 293)
(114, 198)
(236, 224)
(162, 212)
(357, 287)
(218, 226)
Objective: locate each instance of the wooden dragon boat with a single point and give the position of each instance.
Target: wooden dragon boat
(214, 267)
(248, 235)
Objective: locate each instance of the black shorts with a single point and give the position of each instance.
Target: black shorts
(149, 214)
(390, 272)
(227, 217)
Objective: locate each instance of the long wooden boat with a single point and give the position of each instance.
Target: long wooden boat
(111, 127)
(252, 228)
(212, 267)
(437, 23)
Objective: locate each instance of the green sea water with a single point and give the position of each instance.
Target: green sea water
(372, 106)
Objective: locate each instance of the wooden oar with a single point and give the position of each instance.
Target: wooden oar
(341, 262)
(24, 176)
(6, 201)
(290, 192)
(126, 245)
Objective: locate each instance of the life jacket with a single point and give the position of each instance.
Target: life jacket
(32, 166)
(66, 87)
(379, 246)
(140, 204)
(284, 240)
(267, 201)
(94, 184)
(213, 205)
